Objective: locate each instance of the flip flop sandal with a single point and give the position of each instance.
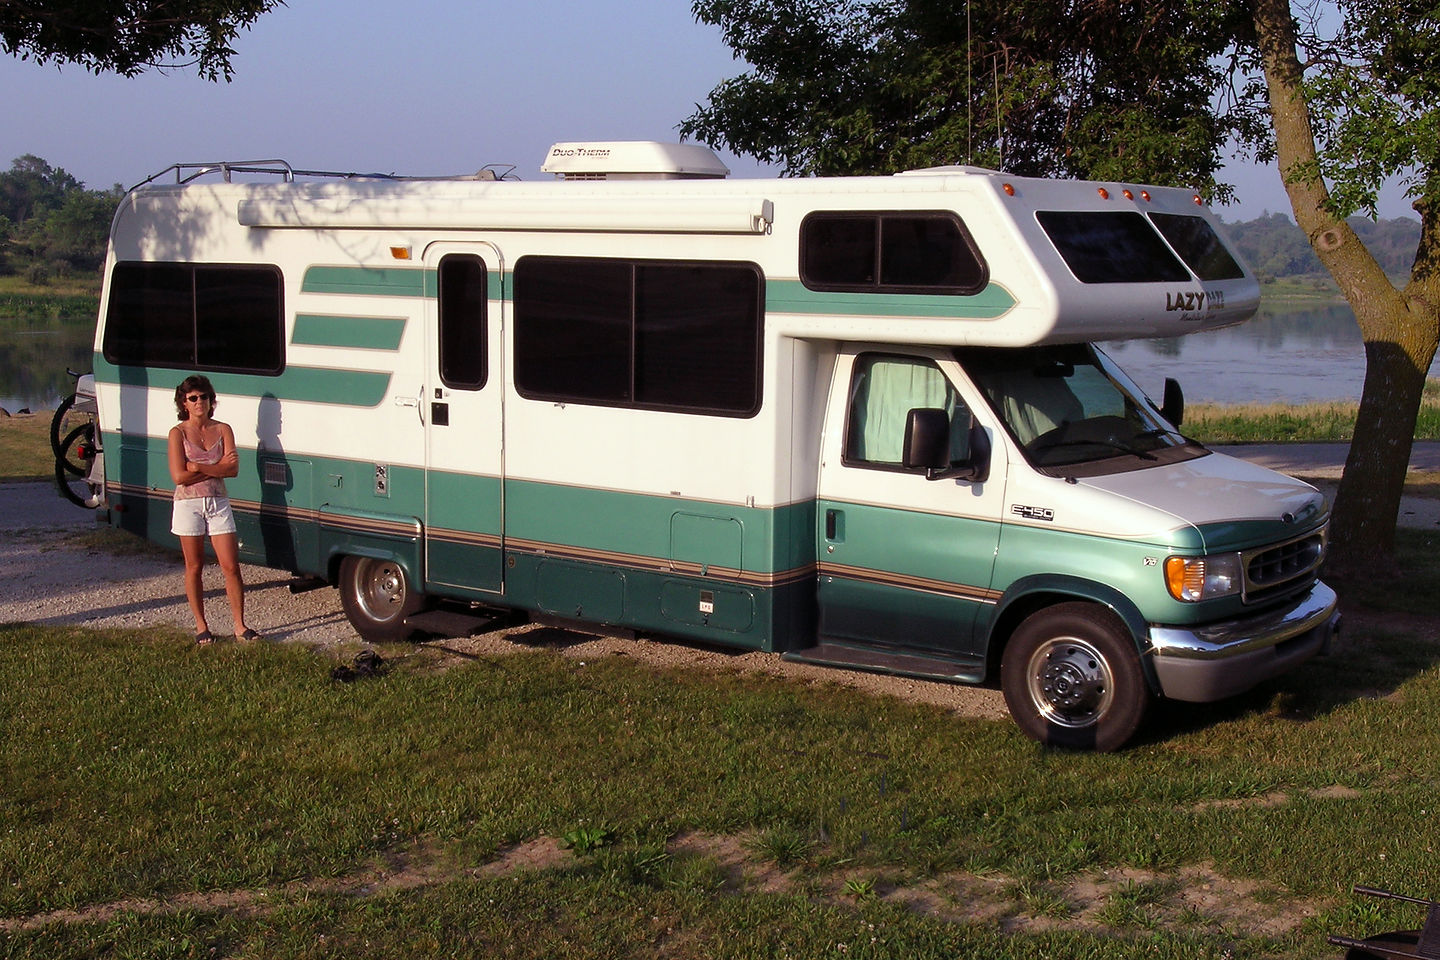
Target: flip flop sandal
(249, 636)
(203, 638)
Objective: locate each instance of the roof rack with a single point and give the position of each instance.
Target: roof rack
(188, 172)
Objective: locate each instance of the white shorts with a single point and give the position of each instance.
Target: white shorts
(198, 516)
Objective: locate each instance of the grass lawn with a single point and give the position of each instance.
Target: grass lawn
(159, 800)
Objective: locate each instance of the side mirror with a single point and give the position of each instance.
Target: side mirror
(1173, 407)
(927, 447)
(927, 439)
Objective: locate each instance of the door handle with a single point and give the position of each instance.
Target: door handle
(835, 525)
(414, 402)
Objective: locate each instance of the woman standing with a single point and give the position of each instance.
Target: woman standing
(202, 455)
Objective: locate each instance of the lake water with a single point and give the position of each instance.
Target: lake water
(1289, 355)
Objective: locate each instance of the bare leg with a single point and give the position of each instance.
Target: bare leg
(193, 549)
(227, 554)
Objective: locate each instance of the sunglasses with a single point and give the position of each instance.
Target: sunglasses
(197, 397)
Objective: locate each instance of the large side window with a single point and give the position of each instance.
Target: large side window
(1111, 247)
(464, 296)
(890, 252)
(644, 333)
(204, 317)
(883, 391)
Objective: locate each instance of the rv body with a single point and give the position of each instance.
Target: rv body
(852, 420)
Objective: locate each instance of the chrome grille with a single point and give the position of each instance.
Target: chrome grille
(1271, 569)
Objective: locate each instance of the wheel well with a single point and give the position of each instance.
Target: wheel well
(1016, 613)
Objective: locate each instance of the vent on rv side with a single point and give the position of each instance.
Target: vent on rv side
(634, 160)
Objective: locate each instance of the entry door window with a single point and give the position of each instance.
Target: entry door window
(883, 391)
(464, 296)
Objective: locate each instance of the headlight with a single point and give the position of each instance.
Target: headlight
(1203, 578)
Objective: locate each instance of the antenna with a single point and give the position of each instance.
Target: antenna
(969, 99)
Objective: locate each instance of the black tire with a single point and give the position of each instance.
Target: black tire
(72, 465)
(1072, 678)
(62, 423)
(377, 597)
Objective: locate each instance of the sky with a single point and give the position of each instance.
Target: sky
(424, 87)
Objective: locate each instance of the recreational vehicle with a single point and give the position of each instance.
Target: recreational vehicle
(855, 421)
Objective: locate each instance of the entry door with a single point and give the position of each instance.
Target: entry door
(463, 414)
(905, 562)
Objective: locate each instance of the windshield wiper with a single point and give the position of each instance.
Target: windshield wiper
(1112, 444)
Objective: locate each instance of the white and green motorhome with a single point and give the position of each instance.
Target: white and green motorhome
(858, 421)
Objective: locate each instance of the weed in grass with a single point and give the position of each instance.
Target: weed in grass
(860, 888)
(585, 840)
(784, 845)
(1040, 899)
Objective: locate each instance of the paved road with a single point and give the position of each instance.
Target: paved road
(1325, 460)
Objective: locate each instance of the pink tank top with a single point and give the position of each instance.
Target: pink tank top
(210, 486)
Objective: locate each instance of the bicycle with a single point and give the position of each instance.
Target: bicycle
(79, 471)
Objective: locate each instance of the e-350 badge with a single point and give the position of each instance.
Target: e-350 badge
(1033, 513)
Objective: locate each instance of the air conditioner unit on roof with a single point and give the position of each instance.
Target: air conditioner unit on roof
(634, 160)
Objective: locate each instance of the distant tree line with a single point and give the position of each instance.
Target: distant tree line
(51, 226)
(1276, 248)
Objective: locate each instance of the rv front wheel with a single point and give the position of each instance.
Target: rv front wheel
(377, 597)
(1072, 678)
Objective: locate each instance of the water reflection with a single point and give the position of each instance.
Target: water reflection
(1283, 355)
(33, 362)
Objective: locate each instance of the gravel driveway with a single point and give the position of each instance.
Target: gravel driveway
(51, 574)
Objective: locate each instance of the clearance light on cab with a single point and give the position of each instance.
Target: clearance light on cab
(1193, 579)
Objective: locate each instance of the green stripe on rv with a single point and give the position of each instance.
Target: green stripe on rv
(791, 296)
(754, 539)
(370, 333)
(386, 282)
(781, 296)
(351, 388)
(366, 281)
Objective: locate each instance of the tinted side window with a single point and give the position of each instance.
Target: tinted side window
(1111, 247)
(464, 296)
(1196, 242)
(674, 336)
(572, 329)
(896, 252)
(200, 316)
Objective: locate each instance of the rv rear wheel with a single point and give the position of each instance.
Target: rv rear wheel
(377, 597)
(1072, 678)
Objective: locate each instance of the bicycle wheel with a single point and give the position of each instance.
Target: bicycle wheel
(65, 420)
(78, 448)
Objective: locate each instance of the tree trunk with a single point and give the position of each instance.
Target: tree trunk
(1400, 328)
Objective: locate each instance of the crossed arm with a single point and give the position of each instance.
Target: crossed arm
(185, 472)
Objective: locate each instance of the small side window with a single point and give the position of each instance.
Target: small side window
(464, 296)
(890, 252)
(1198, 245)
(883, 391)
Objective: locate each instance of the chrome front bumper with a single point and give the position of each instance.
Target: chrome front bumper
(1218, 660)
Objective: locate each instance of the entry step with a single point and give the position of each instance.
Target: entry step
(878, 660)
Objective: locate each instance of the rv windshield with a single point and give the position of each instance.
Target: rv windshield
(1071, 412)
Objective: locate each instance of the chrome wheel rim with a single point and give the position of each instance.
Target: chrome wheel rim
(1070, 682)
(380, 588)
